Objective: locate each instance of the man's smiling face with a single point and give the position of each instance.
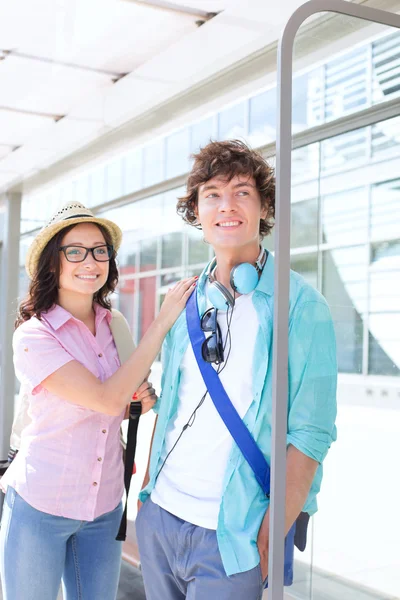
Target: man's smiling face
(230, 211)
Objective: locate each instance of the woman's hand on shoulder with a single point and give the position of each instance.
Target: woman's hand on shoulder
(175, 301)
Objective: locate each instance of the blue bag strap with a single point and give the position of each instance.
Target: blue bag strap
(222, 402)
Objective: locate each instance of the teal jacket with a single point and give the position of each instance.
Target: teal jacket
(311, 407)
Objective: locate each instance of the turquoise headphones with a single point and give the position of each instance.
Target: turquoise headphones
(243, 279)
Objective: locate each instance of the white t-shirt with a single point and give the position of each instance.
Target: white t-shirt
(190, 483)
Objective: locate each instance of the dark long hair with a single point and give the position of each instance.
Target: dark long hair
(43, 289)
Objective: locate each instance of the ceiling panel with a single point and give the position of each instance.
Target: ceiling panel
(27, 159)
(45, 88)
(5, 149)
(17, 128)
(6, 177)
(132, 42)
(103, 34)
(204, 5)
(65, 135)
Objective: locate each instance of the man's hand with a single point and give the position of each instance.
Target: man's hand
(262, 545)
(300, 471)
(145, 482)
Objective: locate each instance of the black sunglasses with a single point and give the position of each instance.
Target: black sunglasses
(77, 254)
(212, 349)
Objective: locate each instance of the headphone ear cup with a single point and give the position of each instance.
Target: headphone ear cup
(244, 278)
(219, 296)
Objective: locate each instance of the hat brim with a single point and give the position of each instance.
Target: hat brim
(45, 235)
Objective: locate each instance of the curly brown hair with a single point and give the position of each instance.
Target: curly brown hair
(43, 289)
(228, 159)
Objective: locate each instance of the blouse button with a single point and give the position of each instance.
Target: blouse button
(100, 355)
(94, 483)
(104, 431)
(99, 459)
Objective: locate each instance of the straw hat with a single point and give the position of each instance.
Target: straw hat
(70, 214)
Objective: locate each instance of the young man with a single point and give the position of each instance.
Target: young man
(203, 529)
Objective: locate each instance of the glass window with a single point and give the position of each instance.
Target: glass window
(150, 227)
(133, 167)
(148, 254)
(172, 238)
(345, 217)
(82, 190)
(385, 203)
(114, 180)
(23, 284)
(269, 241)
(126, 217)
(146, 304)
(67, 191)
(344, 284)
(151, 216)
(381, 362)
(153, 157)
(307, 100)
(31, 217)
(346, 84)
(177, 153)
(198, 249)
(169, 279)
(141, 223)
(386, 138)
(262, 118)
(24, 244)
(201, 134)
(384, 317)
(97, 186)
(305, 164)
(345, 151)
(127, 302)
(128, 254)
(304, 229)
(385, 68)
(171, 250)
(307, 266)
(231, 122)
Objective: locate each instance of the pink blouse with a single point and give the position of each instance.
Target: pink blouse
(70, 460)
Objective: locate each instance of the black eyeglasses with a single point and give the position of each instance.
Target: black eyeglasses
(77, 254)
(212, 348)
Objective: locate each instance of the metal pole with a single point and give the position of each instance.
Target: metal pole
(282, 266)
(8, 304)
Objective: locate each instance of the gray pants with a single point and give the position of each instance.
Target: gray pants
(180, 560)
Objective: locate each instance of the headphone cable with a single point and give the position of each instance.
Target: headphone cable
(221, 367)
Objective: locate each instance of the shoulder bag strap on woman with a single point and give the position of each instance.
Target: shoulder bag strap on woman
(125, 346)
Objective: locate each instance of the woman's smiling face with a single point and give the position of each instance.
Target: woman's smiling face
(88, 276)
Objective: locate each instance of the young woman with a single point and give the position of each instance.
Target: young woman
(63, 490)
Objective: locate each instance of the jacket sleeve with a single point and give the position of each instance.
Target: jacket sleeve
(165, 353)
(312, 379)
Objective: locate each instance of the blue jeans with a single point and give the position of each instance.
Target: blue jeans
(182, 561)
(38, 550)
